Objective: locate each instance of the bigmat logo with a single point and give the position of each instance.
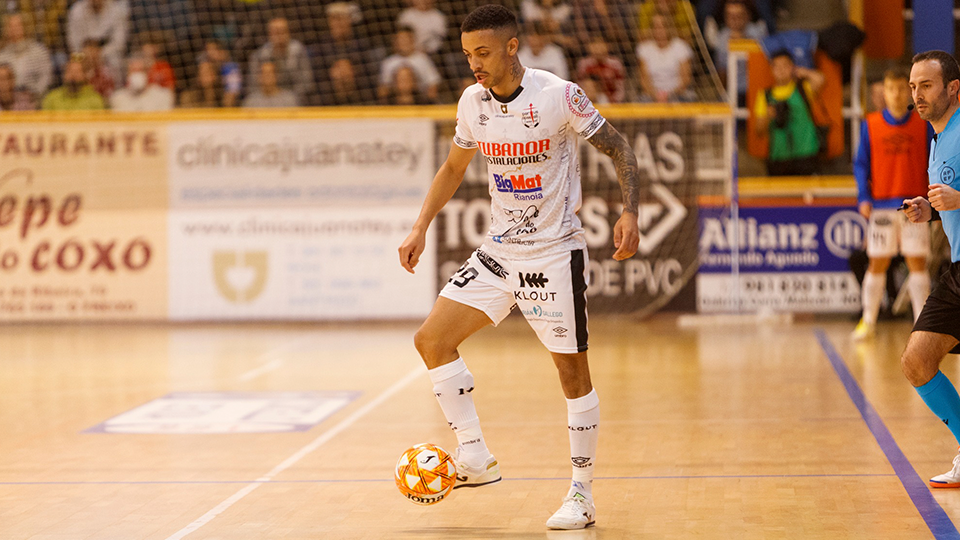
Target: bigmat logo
(518, 184)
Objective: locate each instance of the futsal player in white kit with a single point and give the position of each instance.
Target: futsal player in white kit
(527, 124)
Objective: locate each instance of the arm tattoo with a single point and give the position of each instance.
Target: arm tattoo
(609, 141)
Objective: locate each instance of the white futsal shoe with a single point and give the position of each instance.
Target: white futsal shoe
(468, 476)
(577, 512)
(948, 479)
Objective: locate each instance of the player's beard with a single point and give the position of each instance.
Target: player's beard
(935, 109)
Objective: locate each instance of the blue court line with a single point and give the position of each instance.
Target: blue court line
(931, 511)
(365, 480)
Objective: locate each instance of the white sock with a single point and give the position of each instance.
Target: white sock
(872, 294)
(453, 384)
(583, 419)
(918, 284)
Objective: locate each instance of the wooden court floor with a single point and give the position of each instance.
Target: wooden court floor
(713, 431)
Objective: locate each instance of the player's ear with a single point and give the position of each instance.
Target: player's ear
(953, 88)
(513, 45)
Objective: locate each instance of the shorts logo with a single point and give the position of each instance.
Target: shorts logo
(947, 174)
(531, 117)
(491, 264)
(533, 280)
(559, 330)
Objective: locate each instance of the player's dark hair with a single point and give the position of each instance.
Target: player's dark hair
(948, 64)
(490, 17)
(897, 73)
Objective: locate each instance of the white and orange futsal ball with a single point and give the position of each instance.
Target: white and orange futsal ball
(425, 474)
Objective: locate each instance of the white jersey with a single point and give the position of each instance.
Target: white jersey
(531, 145)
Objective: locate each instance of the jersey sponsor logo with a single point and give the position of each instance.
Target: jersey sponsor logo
(517, 153)
(531, 117)
(578, 101)
(522, 220)
(524, 188)
(491, 264)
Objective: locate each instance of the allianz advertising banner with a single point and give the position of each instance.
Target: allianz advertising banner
(790, 259)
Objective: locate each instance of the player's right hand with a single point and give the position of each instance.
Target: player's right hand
(917, 210)
(865, 208)
(411, 249)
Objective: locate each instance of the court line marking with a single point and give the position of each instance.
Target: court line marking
(931, 511)
(275, 358)
(325, 437)
(367, 480)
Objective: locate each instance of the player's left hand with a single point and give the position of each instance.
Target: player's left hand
(943, 197)
(626, 236)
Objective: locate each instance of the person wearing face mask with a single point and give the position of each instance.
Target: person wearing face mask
(76, 94)
(139, 94)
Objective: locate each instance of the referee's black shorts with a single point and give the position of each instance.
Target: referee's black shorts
(941, 312)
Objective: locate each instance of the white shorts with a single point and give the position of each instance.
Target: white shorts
(890, 232)
(551, 293)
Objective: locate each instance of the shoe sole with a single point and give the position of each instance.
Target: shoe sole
(944, 485)
(574, 529)
(458, 486)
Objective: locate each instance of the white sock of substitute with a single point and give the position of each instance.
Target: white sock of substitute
(918, 284)
(583, 419)
(872, 294)
(453, 384)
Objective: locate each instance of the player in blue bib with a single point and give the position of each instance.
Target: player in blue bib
(935, 84)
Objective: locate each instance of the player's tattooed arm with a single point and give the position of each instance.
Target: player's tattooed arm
(609, 141)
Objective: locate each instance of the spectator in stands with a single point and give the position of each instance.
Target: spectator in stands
(736, 25)
(174, 18)
(45, 20)
(605, 68)
(783, 112)
(99, 74)
(406, 54)
(75, 94)
(555, 18)
(140, 95)
(208, 92)
(341, 40)
(344, 85)
(610, 18)
(230, 74)
(105, 21)
(665, 71)
(429, 24)
(159, 71)
(538, 52)
(29, 59)
(405, 89)
(268, 92)
(11, 97)
(289, 57)
(678, 14)
(592, 87)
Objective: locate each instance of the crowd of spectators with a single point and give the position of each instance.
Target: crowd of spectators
(158, 54)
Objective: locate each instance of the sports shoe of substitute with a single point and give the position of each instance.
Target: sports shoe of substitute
(864, 331)
(577, 512)
(468, 476)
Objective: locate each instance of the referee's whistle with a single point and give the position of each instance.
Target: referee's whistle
(904, 206)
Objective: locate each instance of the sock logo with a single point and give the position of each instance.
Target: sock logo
(581, 462)
(582, 428)
(467, 391)
(946, 421)
(472, 441)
